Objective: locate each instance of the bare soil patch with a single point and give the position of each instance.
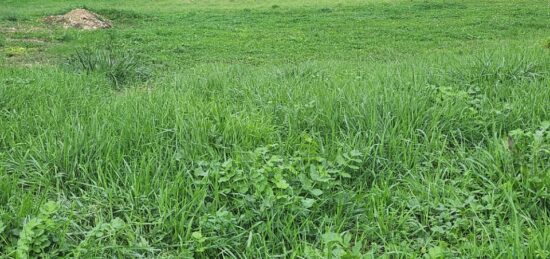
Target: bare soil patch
(80, 19)
(30, 40)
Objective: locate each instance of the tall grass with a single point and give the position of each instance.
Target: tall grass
(315, 159)
(361, 130)
(120, 67)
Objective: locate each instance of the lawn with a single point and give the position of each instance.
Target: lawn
(263, 129)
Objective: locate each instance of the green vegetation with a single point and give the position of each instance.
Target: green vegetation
(296, 129)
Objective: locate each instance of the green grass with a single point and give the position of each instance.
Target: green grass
(309, 129)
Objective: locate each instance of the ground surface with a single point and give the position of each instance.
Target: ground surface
(255, 129)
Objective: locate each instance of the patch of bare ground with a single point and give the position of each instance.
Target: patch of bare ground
(79, 19)
(21, 29)
(30, 40)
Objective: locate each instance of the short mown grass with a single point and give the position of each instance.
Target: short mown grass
(261, 133)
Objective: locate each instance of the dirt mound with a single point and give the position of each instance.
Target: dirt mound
(81, 19)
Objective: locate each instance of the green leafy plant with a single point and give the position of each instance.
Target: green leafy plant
(337, 246)
(40, 235)
(106, 234)
(530, 150)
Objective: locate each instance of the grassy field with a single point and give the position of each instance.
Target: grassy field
(263, 129)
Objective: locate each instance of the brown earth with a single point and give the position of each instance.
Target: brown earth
(80, 19)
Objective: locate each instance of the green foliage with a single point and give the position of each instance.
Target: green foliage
(11, 17)
(105, 237)
(40, 236)
(119, 67)
(291, 129)
(65, 37)
(121, 16)
(15, 51)
(340, 246)
(295, 182)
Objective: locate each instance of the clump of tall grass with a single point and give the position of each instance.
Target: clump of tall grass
(497, 68)
(119, 67)
(11, 17)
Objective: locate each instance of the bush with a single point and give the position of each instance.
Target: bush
(120, 67)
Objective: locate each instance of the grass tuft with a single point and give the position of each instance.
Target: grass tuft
(11, 17)
(119, 67)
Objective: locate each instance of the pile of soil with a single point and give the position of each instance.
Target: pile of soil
(80, 19)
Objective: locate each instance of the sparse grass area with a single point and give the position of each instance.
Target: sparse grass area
(294, 129)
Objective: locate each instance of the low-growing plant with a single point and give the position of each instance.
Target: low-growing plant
(15, 51)
(40, 234)
(115, 233)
